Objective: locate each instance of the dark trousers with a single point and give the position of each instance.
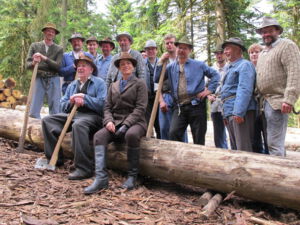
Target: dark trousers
(193, 115)
(260, 144)
(83, 126)
(220, 138)
(132, 136)
(148, 115)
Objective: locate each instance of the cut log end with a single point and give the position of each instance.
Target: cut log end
(10, 83)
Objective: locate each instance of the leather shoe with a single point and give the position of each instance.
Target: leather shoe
(79, 175)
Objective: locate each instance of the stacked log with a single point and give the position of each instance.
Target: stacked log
(9, 96)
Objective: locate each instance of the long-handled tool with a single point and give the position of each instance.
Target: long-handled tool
(42, 163)
(155, 105)
(26, 113)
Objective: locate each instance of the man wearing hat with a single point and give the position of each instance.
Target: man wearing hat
(239, 104)
(92, 46)
(49, 56)
(151, 62)
(220, 138)
(88, 93)
(278, 82)
(103, 62)
(125, 41)
(186, 78)
(67, 69)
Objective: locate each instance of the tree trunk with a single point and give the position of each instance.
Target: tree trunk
(220, 22)
(258, 177)
(64, 13)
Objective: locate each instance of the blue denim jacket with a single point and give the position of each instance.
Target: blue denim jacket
(67, 70)
(102, 66)
(194, 72)
(94, 99)
(237, 90)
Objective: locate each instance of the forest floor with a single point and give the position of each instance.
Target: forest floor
(30, 196)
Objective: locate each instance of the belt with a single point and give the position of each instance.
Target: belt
(227, 98)
(42, 73)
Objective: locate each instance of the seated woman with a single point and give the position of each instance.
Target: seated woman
(124, 118)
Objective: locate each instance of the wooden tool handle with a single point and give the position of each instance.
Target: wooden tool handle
(26, 113)
(156, 101)
(54, 156)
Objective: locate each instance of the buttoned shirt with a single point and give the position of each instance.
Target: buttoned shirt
(103, 65)
(237, 90)
(194, 71)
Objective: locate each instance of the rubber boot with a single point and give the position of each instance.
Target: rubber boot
(133, 156)
(101, 178)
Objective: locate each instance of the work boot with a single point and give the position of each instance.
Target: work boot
(101, 178)
(133, 156)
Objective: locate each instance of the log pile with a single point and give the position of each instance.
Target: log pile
(259, 177)
(9, 96)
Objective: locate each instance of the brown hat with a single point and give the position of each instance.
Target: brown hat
(235, 41)
(51, 26)
(126, 34)
(88, 59)
(267, 22)
(92, 38)
(76, 35)
(185, 41)
(109, 41)
(127, 56)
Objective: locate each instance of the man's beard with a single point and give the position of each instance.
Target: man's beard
(271, 42)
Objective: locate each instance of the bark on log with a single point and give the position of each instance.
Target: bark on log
(254, 176)
(10, 83)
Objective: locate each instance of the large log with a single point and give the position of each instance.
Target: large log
(258, 177)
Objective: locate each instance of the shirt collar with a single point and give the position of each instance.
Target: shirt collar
(232, 64)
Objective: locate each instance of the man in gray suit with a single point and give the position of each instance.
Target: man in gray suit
(49, 56)
(125, 41)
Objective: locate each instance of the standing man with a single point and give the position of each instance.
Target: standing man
(49, 56)
(151, 62)
(186, 78)
(125, 41)
(278, 82)
(103, 63)
(88, 93)
(92, 46)
(220, 138)
(67, 69)
(166, 102)
(237, 96)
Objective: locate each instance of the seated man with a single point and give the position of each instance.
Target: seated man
(88, 93)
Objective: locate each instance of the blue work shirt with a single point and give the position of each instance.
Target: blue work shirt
(237, 90)
(103, 65)
(194, 71)
(94, 99)
(67, 69)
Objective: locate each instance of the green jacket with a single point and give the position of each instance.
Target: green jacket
(54, 55)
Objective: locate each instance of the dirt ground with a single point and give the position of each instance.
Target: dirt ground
(30, 196)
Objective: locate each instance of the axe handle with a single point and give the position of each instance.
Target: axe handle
(54, 156)
(26, 113)
(156, 101)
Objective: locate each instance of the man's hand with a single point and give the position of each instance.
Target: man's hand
(211, 97)
(203, 94)
(163, 106)
(238, 119)
(77, 99)
(41, 56)
(110, 126)
(286, 108)
(164, 57)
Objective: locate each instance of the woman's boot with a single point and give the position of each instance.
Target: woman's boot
(101, 178)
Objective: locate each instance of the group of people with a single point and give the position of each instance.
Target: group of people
(115, 95)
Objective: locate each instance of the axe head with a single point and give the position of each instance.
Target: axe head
(43, 164)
